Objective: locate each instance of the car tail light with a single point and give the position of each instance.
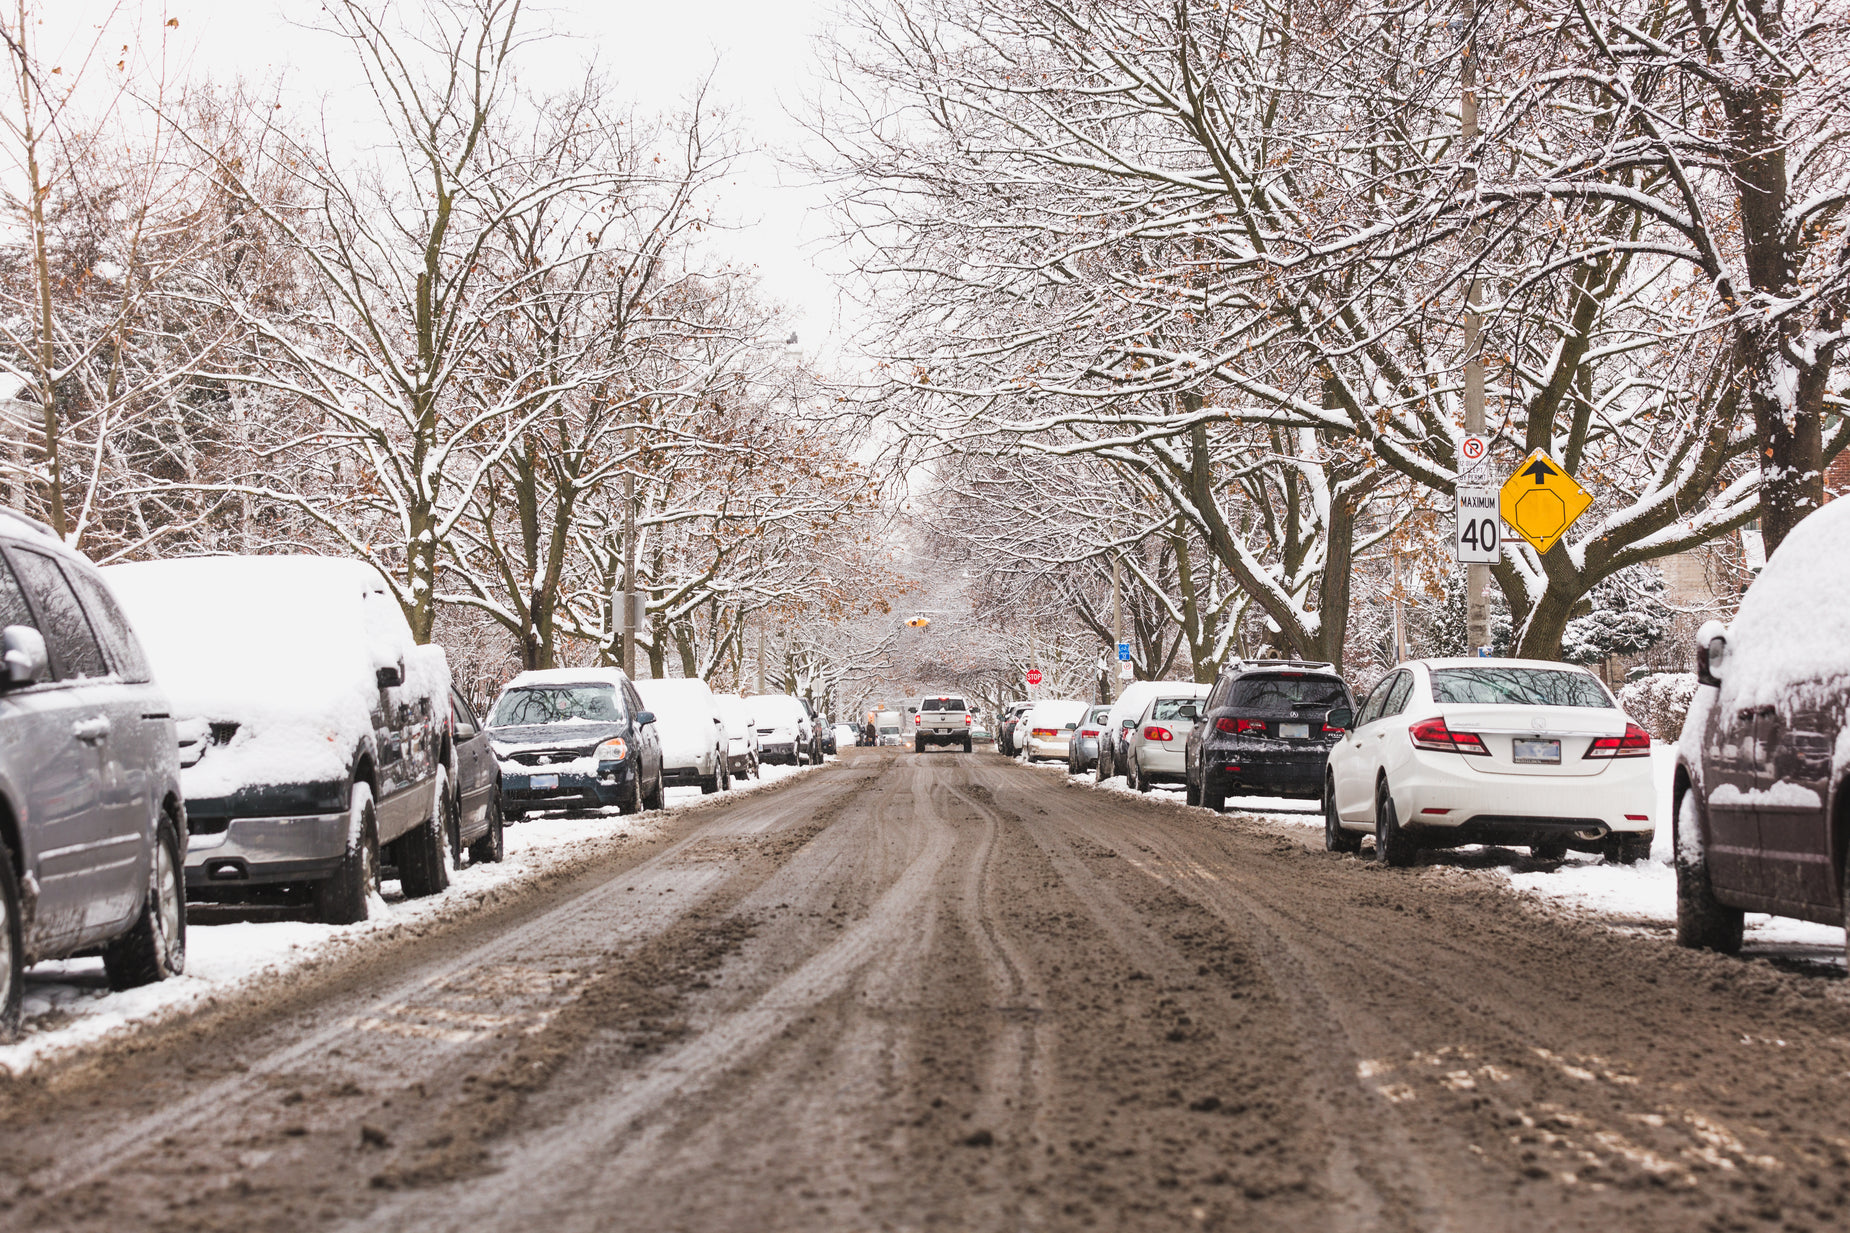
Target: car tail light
(1433, 734)
(1249, 725)
(1047, 732)
(1154, 733)
(1636, 743)
(1088, 732)
(968, 720)
(918, 719)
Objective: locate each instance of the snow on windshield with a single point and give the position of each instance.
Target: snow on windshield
(1517, 687)
(556, 704)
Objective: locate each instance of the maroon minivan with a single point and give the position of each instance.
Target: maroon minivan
(1762, 814)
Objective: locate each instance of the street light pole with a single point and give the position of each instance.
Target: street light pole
(629, 565)
(1477, 576)
(1117, 628)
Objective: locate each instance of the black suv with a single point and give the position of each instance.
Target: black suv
(1266, 730)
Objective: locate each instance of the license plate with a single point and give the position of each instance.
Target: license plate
(1537, 752)
(1300, 731)
(539, 782)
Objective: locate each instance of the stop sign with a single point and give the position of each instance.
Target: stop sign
(1034, 676)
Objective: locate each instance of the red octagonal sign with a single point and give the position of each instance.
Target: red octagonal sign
(1034, 676)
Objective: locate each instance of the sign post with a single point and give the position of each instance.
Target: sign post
(1541, 501)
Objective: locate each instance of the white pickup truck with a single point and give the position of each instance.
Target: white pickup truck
(943, 720)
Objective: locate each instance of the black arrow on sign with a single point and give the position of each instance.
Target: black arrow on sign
(1540, 470)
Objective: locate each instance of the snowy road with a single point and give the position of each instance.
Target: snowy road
(947, 991)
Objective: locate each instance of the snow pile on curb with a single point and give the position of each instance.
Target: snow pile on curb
(68, 1004)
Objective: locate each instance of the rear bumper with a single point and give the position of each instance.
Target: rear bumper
(941, 736)
(1046, 747)
(1278, 774)
(260, 851)
(1449, 803)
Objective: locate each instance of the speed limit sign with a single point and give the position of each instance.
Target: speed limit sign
(1479, 535)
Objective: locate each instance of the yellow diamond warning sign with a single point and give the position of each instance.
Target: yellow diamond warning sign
(1541, 500)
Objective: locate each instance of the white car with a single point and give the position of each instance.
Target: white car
(1156, 746)
(692, 732)
(1047, 730)
(784, 733)
(1124, 713)
(846, 736)
(1506, 751)
(741, 735)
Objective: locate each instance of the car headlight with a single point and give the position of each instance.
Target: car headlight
(613, 750)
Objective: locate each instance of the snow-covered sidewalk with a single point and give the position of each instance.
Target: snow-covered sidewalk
(68, 1004)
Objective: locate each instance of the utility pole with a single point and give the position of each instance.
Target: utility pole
(760, 688)
(1477, 576)
(1117, 628)
(629, 564)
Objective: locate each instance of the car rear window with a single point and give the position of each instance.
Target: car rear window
(1517, 687)
(1175, 708)
(1285, 692)
(944, 704)
(557, 704)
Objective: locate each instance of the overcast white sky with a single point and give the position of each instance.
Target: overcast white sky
(760, 54)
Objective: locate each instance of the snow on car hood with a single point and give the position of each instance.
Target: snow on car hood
(284, 647)
(1792, 636)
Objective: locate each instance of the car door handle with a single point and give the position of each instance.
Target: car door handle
(92, 730)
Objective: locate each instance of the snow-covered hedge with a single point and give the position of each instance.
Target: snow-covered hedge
(1659, 702)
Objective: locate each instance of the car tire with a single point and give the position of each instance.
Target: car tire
(1626, 848)
(657, 798)
(710, 784)
(13, 962)
(1393, 846)
(492, 846)
(918, 744)
(1143, 780)
(1102, 776)
(344, 897)
(1703, 921)
(1212, 796)
(1553, 851)
(633, 801)
(154, 948)
(423, 852)
(1335, 838)
(969, 744)
(511, 816)
(1191, 789)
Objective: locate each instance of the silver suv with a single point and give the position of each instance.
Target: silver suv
(90, 809)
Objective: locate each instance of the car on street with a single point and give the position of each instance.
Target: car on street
(1761, 790)
(1155, 747)
(94, 828)
(475, 821)
(1503, 751)
(1083, 751)
(785, 733)
(741, 735)
(942, 719)
(1007, 740)
(1266, 731)
(1119, 720)
(575, 738)
(309, 724)
(889, 728)
(846, 737)
(1047, 730)
(691, 730)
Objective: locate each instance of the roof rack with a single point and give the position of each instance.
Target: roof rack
(1283, 663)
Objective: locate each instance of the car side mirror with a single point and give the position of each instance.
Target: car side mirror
(644, 718)
(1711, 652)
(23, 648)
(1341, 717)
(390, 676)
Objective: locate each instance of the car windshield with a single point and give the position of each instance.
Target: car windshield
(1516, 687)
(1099, 715)
(557, 704)
(1286, 691)
(943, 704)
(1175, 708)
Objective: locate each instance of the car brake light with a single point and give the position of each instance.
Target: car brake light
(1636, 743)
(1047, 732)
(1088, 732)
(1329, 728)
(1249, 725)
(967, 720)
(1433, 734)
(918, 719)
(1154, 733)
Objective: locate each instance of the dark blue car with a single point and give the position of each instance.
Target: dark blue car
(575, 738)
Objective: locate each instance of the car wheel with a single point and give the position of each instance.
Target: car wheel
(1143, 780)
(710, 784)
(154, 948)
(657, 797)
(1553, 851)
(1626, 848)
(1393, 847)
(1335, 838)
(1103, 763)
(918, 744)
(344, 897)
(422, 853)
(1212, 797)
(1703, 921)
(13, 962)
(633, 801)
(1191, 789)
(492, 846)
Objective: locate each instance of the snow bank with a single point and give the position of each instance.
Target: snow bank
(68, 1005)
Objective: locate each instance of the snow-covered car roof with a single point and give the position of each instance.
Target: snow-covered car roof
(568, 676)
(765, 706)
(1063, 708)
(1792, 634)
(672, 687)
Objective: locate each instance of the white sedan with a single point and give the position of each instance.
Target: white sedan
(1507, 751)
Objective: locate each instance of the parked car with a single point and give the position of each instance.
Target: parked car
(1509, 751)
(845, 734)
(1083, 752)
(474, 823)
(818, 723)
(1006, 725)
(1156, 746)
(575, 738)
(784, 731)
(309, 724)
(95, 834)
(825, 730)
(691, 730)
(741, 735)
(1049, 728)
(1118, 721)
(1266, 731)
(1761, 790)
